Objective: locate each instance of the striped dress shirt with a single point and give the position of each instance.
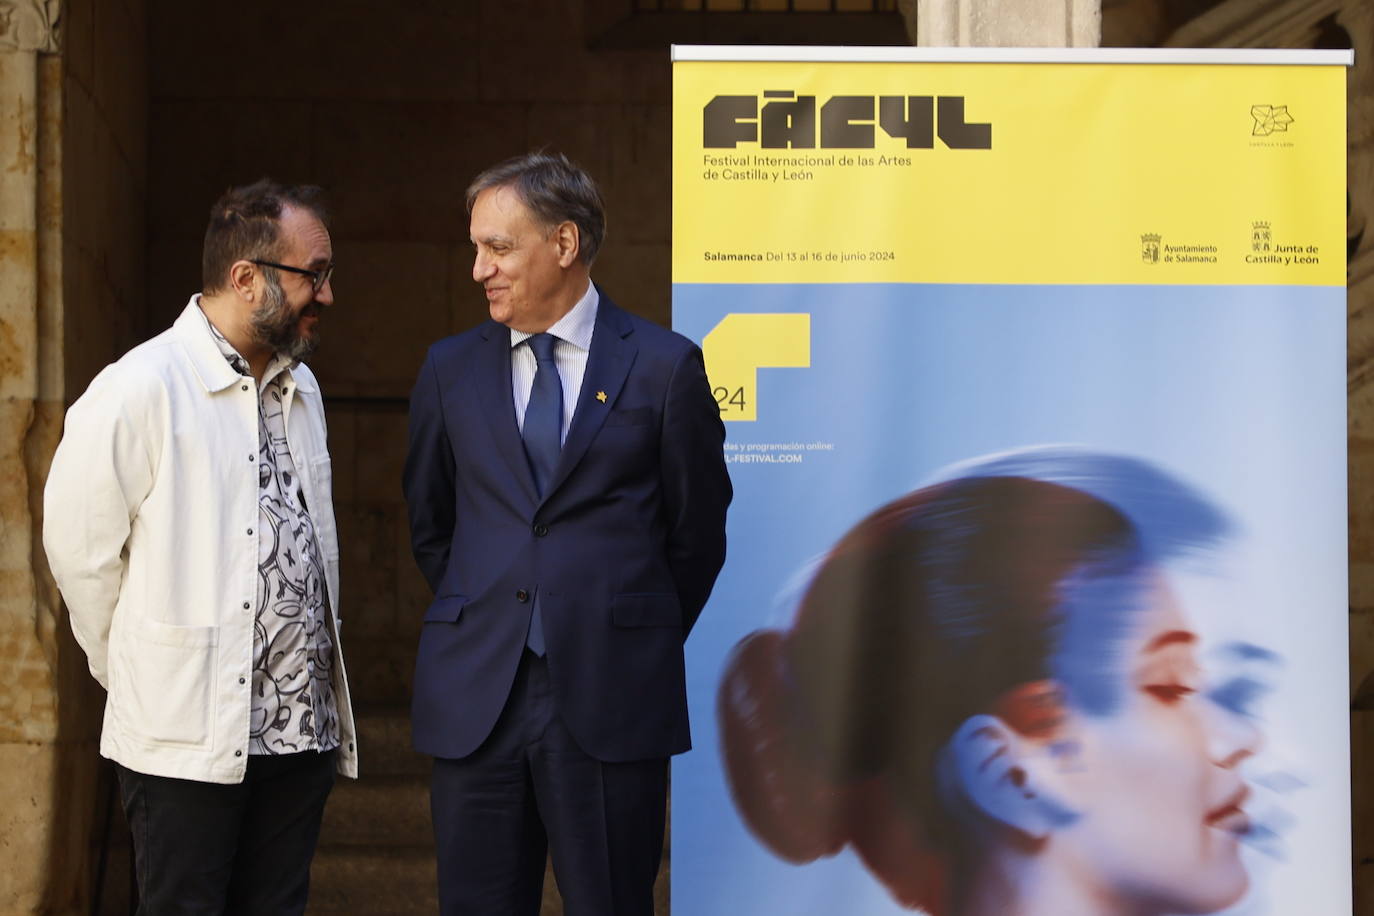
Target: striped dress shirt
(574, 333)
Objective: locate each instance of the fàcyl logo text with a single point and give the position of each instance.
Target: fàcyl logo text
(787, 120)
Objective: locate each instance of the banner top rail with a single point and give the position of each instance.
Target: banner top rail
(896, 54)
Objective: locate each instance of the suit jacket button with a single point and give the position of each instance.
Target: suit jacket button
(521, 595)
(541, 530)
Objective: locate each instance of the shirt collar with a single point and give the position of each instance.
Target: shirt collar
(278, 363)
(575, 327)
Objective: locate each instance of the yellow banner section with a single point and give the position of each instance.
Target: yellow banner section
(1008, 173)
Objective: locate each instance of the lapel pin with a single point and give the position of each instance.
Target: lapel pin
(601, 396)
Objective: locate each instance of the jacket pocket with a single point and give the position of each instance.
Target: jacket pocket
(322, 475)
(320, 504)
(168, 674)
(647, 609)
(445, 609)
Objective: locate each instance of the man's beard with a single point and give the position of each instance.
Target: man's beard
(273, 323)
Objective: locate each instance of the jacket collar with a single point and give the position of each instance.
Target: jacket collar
(608, 363)
(209, 364)
(192, 332)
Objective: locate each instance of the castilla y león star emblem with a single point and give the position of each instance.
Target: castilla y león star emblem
(1270, 119)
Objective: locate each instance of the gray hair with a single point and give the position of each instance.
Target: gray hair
(554, 190)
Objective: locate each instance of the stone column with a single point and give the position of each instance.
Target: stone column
(1004, 23)
(45, 860)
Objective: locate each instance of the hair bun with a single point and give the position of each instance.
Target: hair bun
(782, 798)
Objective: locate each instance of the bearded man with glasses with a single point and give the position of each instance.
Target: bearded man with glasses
(189, 524)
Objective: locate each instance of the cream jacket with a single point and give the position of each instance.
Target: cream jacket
(150, 513)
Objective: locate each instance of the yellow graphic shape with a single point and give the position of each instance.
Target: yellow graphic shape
(741, 344)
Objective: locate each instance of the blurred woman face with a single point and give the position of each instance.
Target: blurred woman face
(1156, 783)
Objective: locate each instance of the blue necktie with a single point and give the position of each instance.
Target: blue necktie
(543, 435)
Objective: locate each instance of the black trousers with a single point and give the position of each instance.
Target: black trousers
(530, 789)
(208, 848)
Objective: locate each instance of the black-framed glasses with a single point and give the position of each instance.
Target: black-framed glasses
(318, 278)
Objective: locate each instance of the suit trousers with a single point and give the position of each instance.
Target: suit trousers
(207, 848)
(529, 789)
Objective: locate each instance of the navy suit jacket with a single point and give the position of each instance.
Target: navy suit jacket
(623, 548)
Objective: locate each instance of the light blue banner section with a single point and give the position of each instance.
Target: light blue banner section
(1238, 391)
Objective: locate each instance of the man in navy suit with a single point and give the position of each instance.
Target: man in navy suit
(567, 494)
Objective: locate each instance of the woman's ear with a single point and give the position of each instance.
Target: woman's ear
(1006, 777)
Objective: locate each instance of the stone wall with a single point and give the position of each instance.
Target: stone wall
(28, 641)
(104, 184)
(73, 154)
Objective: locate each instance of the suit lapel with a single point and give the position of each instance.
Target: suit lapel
(608, 364)
(493, 382)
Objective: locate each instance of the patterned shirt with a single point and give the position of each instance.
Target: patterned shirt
(293, 707)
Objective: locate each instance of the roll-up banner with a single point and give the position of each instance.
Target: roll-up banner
(1032, 365)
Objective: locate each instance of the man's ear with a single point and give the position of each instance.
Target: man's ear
(569, 241)
(1006, 777)
(242, 279)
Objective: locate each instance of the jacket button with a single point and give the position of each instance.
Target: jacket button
(521, 595)
(246, 605)
(243, 387)
(541, 530)
(243, 680)
(238, 753)
(250, 530)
